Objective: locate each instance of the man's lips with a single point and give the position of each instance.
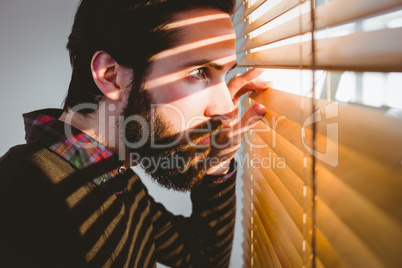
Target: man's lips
(205, 140)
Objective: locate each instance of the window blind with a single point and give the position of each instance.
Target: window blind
(322, 178)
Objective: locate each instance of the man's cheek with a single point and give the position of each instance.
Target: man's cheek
(173, 115)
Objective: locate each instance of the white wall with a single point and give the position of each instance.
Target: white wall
(34, 64)
(35, 73)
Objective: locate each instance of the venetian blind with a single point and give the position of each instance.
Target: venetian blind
(322, 178)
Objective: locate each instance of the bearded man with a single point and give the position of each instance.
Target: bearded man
(147, 88)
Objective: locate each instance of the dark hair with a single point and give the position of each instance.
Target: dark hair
(131, 31)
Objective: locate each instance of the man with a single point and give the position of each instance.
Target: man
(147, 88)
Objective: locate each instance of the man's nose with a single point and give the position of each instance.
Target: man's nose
(220, 102)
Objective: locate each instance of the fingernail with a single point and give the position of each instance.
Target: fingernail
(260, 109)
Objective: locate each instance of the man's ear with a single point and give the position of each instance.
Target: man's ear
(104, 73)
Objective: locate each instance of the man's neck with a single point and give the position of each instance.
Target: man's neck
(101, 124)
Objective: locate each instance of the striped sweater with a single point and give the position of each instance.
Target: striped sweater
(53, 215)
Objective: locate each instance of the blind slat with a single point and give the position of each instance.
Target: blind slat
(326, 252)
(339, 233)
(257, 263)
(245, 11)
(373, 226)
(273, 258)
(372, 189)
(279, 9)
(294, 208)
(285, 30)
(282, 175)
(287, 231)
(294, 214)
(261, 256)
(271, 187)
(361, 51)
(357, 170)
(282, 148)
(334, 188)
(371, 222)
(356, 167)
(273, 235)
(253, 7)
(355, 132)
(260, 245)
(328, 15)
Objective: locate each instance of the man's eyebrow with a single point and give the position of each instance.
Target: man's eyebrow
(208, 63)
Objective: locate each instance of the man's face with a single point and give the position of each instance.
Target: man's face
(184, 93)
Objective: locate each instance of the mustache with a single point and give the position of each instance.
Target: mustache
(181, 144)
(192, 136)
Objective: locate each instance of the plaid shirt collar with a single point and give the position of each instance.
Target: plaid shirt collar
(76, 147)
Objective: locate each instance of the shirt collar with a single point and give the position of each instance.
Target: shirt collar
(76, 147)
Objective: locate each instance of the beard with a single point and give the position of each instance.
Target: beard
(174, 160)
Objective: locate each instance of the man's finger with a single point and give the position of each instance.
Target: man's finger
(237, 82)
(255, 85)
(252, 116)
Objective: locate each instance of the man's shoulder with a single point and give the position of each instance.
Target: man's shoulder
(29, 161)
(17, 157)
(36, 218)
(23, 155)
(18, 151)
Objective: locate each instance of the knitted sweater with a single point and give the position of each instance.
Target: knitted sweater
(53, 216)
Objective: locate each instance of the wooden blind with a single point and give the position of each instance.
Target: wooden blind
(322, 179)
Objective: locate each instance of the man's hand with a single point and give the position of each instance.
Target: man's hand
(226, 143)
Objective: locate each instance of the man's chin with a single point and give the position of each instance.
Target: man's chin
(183, 178)
(178, 170)
(178, 180)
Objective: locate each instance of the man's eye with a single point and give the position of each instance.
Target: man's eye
(199, 73)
